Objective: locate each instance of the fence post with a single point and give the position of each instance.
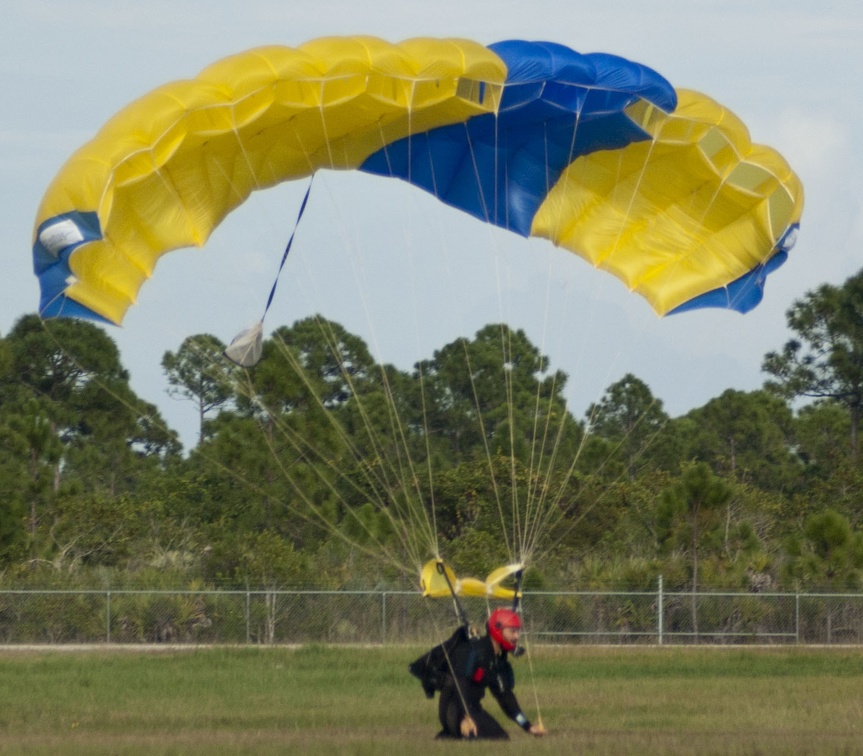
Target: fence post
(383, 618)
(660, 613)
(108, 616)
(248, 617)
(797, 616)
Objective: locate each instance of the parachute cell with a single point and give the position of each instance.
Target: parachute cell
(596, 153)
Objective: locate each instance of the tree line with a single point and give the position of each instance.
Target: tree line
(320, 467)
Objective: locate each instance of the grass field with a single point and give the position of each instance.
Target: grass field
(362, 701)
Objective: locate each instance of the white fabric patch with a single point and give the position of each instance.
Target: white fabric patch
(790, 239)
(56, 237)
(245, 350)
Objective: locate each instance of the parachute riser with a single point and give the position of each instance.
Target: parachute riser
(459, 609)
(516, 600)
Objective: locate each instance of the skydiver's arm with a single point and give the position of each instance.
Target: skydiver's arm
(506, 697)
(509, 703)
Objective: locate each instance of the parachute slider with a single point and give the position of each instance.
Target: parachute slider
(438, 580)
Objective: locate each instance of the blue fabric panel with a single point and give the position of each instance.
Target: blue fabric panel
(741, 295)
(557, 104)
(53, 270)
(54, 305)
(88, 228)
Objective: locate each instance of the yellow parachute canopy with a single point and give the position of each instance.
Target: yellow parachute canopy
(597, 153)
(438, 580)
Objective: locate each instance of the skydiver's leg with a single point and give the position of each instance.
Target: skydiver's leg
(488, 727)
(450, 712)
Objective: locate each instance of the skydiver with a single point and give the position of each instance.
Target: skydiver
(462, 669)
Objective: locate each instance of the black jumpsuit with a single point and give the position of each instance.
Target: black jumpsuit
(475, 667)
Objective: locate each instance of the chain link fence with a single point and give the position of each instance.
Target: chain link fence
(381, 617)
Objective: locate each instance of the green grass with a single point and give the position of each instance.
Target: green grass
(362, 701)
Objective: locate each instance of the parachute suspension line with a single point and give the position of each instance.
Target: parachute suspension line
(378, 480)
(540, 472)
(378, 477)
(560, 534)
(548, 512)
(318, 520)
(532, 675)
(524, 502)
(545, 445)
(543, 460)
(297, 441)
(487, 449)
(554, 506)
(305, 451)
(540, 492)
(254, 486)
(551, 511)
(324, 130)
(524, 650)
(487, 216)
(288, 248)
(546, 524)
(432, 510)
(411, 479)
(488, 454)
(526, 526)
(510, 546)
(429, 468)
(508, 375)
(302, 446)
(516, 549)
(372, 472)
(536, 470)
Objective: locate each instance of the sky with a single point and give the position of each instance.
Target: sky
(390, 263)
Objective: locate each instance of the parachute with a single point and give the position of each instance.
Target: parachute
(598, 154)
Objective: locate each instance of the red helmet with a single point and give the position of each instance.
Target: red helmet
(500, 619)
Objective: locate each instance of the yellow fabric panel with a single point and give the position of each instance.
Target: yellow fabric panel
(433, 582)
(165, 170)
(691, 210)
(435, 585)
(478, 589)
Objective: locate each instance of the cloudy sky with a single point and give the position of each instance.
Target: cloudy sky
(387, 261)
